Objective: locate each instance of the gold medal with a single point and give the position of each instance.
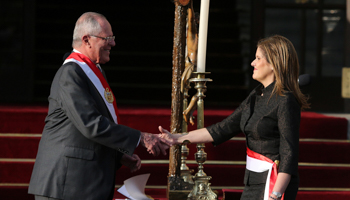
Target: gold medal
(109, 96)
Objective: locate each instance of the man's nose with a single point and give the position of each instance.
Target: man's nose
(112, 43)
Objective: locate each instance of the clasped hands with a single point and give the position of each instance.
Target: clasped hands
(154, 143)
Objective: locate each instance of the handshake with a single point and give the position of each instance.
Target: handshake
(154, 143)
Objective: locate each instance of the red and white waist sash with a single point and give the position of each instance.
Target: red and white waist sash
(97, 78)
(259, 163)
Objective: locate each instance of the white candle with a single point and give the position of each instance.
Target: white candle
(202, 35)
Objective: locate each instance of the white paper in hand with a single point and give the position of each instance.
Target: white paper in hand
(134, 187)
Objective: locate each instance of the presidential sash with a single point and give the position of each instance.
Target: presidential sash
(259, 163)
(97, 78)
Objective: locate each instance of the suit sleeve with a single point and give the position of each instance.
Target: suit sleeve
(75, 97)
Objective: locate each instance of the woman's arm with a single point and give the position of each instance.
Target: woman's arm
(217, 133)
(197, 136)
(281, 184)
(288, 124)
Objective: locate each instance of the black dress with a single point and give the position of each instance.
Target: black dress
(271, 126)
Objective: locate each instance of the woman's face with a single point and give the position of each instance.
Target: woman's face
(263, 71)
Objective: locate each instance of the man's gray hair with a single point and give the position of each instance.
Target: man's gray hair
(87, 24)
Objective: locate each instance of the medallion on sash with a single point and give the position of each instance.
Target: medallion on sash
(109, 96)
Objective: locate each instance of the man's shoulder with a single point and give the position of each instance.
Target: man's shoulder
(70, 67)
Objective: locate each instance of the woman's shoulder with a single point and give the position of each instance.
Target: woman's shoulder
(288, 99)
(288, 95)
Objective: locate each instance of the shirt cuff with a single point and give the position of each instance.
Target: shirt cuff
(139, 141)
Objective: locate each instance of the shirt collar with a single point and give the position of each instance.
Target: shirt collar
(76, 51)
(266, 91)
(97, 65)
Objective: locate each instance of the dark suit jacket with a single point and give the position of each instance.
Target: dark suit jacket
(81, 146)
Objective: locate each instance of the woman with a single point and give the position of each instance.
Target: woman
(270, 118)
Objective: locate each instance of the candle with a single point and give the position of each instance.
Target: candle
(202, 35)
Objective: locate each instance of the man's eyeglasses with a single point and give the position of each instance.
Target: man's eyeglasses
(108, 39)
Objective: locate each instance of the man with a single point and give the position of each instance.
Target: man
(82, 144)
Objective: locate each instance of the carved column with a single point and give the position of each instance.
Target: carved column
(175, 182)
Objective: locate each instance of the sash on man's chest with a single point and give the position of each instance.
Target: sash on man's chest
(97, 78)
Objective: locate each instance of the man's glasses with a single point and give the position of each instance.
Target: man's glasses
(108, 39)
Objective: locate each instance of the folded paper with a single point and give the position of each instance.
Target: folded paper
(134, 187)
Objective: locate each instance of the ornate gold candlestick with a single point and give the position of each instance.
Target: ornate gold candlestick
(201, 189)
(186, 173)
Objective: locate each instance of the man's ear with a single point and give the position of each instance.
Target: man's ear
(85, 40)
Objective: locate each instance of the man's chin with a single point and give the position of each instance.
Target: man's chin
(104, 61)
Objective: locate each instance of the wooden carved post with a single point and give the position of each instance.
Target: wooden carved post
(175, 182)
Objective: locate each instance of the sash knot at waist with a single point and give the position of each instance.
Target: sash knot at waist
(259, 163)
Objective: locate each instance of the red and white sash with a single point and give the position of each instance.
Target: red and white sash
(259, 163)
(96, 77)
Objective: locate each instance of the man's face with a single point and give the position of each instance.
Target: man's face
(100, 48)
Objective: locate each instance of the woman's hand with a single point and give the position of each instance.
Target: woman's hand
(197, 136)
(173, 139)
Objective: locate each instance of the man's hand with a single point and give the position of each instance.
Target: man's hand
(133, 162)
(154, 144)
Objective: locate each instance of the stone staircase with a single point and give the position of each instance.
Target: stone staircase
(324, 167)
